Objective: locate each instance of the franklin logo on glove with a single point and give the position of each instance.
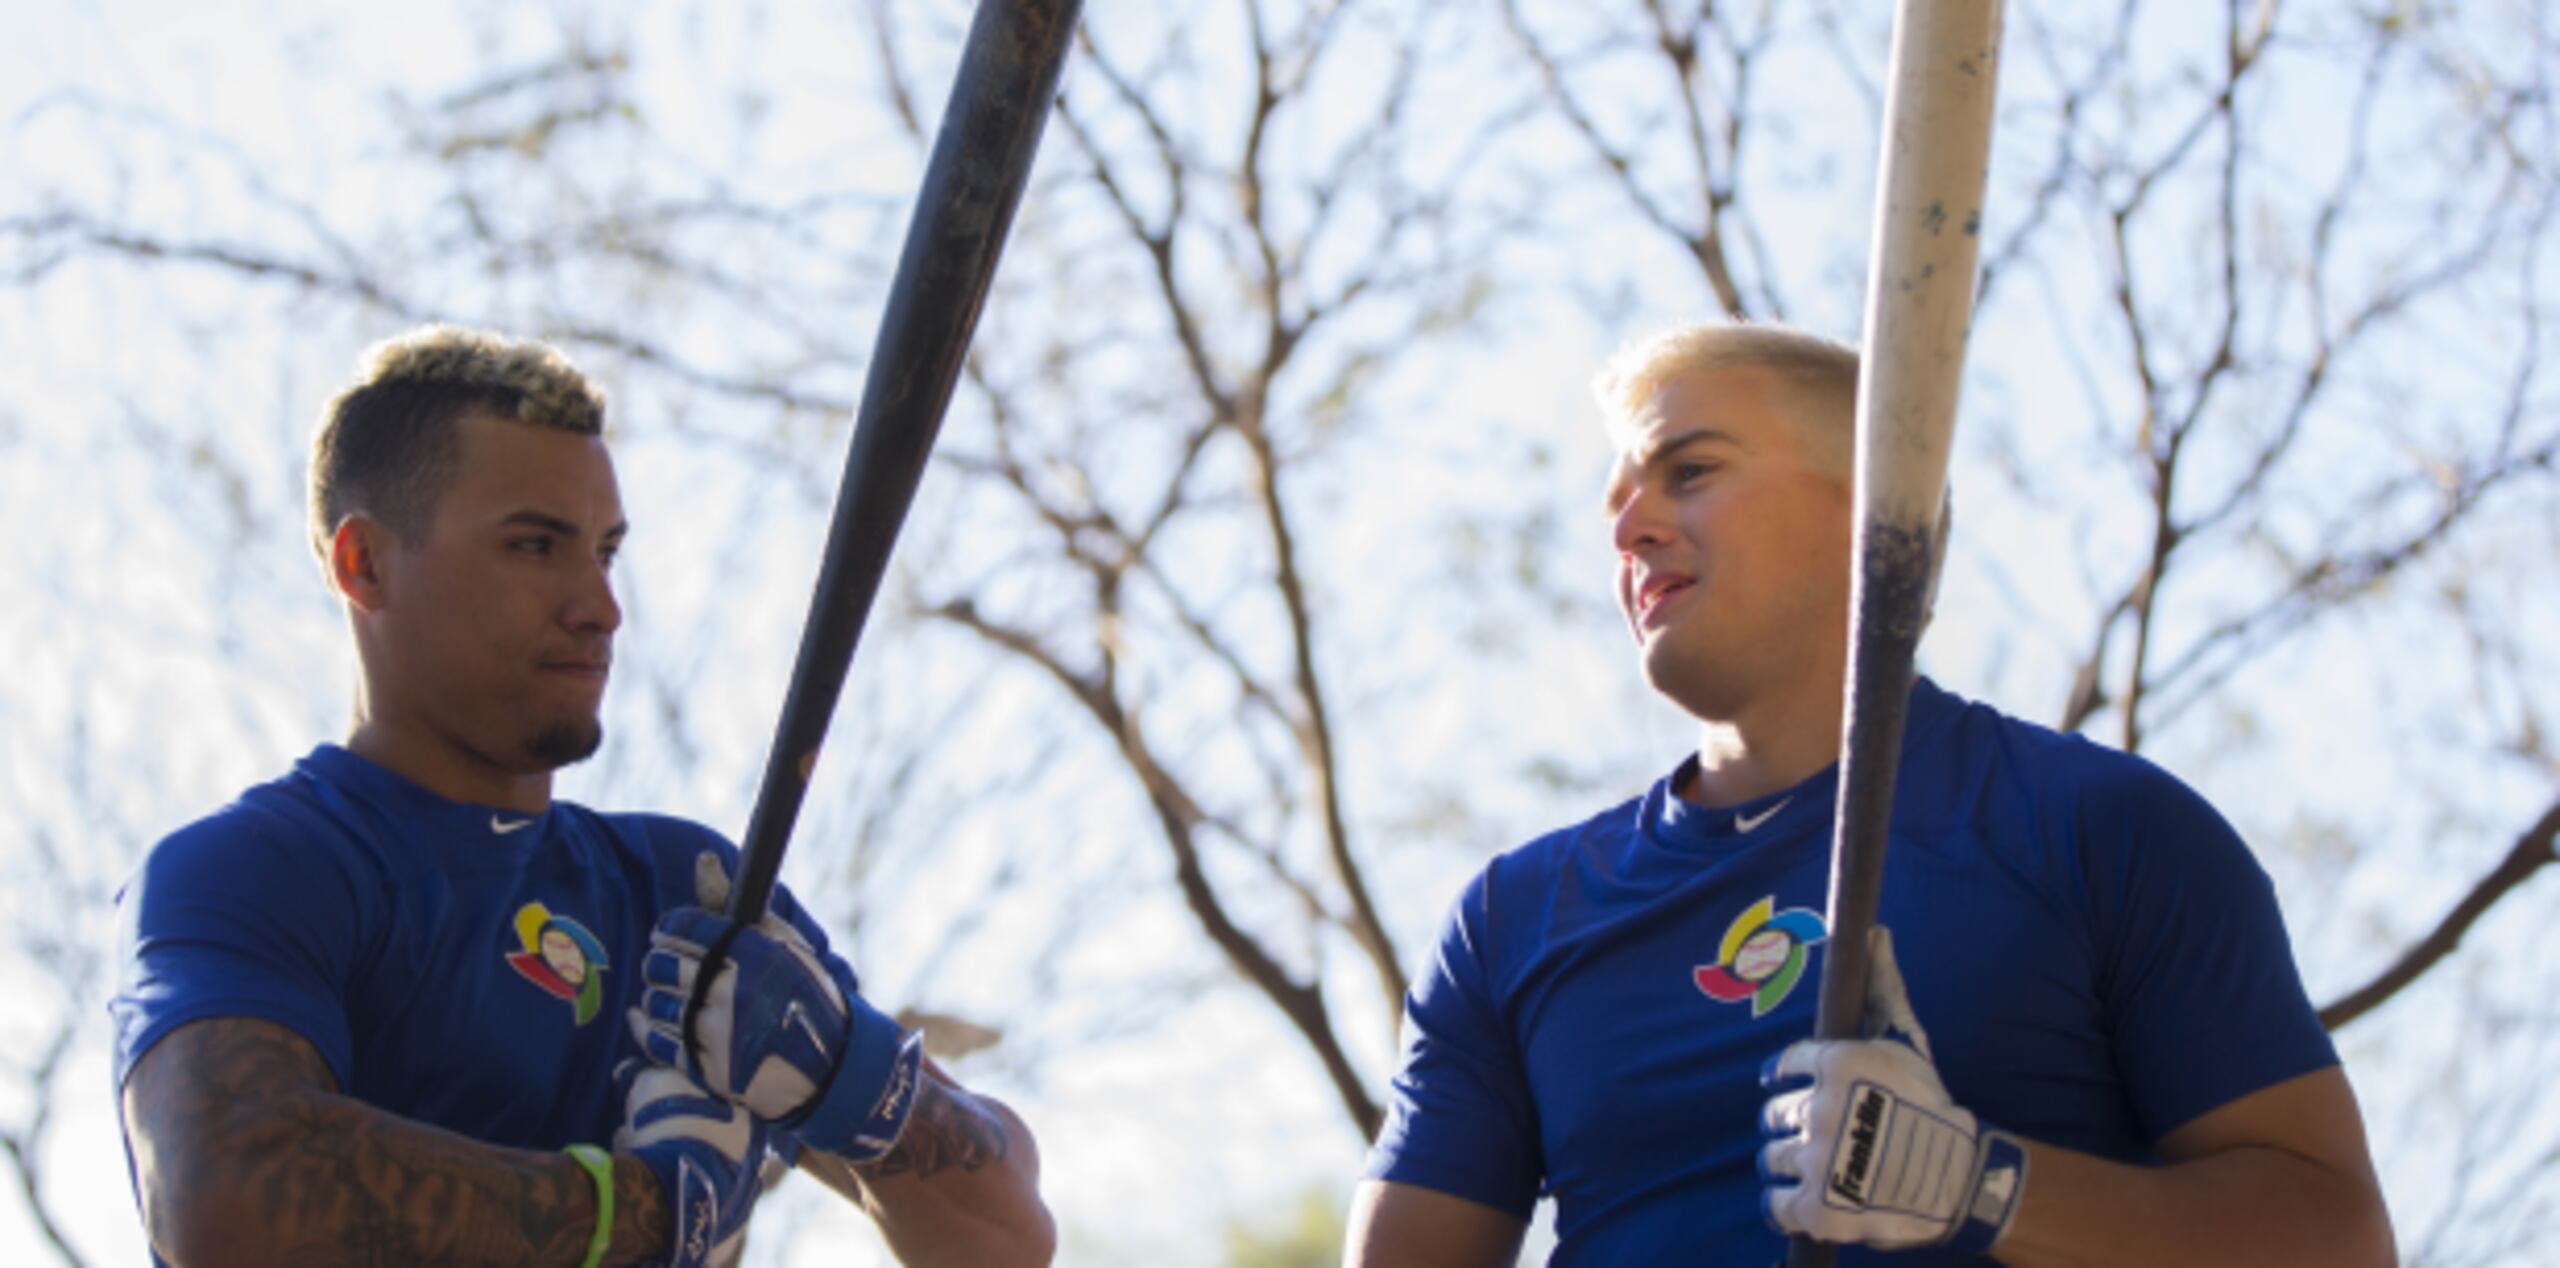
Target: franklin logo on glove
(1849, 1175)
(1900, 1163)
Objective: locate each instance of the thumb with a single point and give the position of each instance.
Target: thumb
(1888, 1000)
(710, 882)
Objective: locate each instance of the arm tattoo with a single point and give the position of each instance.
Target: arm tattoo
(950, 1129)
(240, 1134)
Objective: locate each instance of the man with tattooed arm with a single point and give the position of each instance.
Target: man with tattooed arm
(401, 1006)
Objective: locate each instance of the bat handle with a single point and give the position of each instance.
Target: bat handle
(714, 957)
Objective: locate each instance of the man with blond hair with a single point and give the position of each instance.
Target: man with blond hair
(2092, 1047)
(400, 1005)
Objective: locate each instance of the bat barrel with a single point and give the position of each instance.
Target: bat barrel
(981, 160)
(1920, 284)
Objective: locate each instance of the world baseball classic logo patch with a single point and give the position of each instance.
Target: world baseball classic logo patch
(561, 957)
(1763, 955)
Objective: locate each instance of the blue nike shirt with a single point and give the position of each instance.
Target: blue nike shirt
(2095, 955)
(461, 965)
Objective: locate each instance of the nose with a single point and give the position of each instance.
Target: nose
(592, 608)
(1637, 524)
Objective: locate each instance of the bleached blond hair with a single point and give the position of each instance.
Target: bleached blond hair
(1822, 373)
(388, 443)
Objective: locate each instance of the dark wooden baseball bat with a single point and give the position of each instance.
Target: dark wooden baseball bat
(981, 160)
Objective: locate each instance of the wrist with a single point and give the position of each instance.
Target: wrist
(599, 1168)
(864, 1106)
(644, 1212)
(1991, 1200)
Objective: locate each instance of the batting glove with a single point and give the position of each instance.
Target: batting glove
(1866, 1146)
(782, 1032)
(707, 1155)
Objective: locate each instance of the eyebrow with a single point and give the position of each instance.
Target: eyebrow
(554, 524)
(1652, 455)
(1669, 445)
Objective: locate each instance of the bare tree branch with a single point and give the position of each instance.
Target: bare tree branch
(1180, 816)
(25, 1145)
(2523, 860)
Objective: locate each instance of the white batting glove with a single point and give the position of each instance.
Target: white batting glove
(1867, 1147)
(707, 1156)
(782, 1031)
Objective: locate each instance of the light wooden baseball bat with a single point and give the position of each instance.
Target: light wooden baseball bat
(1920, 284)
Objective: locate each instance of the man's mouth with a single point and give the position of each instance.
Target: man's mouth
(1657, 591)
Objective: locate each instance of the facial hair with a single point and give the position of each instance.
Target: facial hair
(565, 743)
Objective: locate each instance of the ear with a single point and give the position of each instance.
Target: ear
(356, 562)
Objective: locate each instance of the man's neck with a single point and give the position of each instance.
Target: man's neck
(447, 769)
(1764, 747)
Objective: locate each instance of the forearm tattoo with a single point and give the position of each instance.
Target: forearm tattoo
(950, 1129)
(245, 1114)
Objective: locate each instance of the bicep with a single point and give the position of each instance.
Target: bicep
(1407, 1226)
(2311, 1116)
(2311, 1124)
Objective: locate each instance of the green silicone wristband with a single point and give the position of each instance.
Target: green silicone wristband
(600, 1165)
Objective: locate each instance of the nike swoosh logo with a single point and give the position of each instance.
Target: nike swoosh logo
(502, 827)
(1745, 823)
(795, 1015)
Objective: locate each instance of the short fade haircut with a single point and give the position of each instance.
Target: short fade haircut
(388, 444)
(1823, 374)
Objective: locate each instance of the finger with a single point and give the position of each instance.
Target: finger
(669, 969)
(1781, 1162)
(689, 929)
(1785, 1113)
(665, 1049)
(663, 1043)
(1799, 1063)
(665, 1009)
(1777, 1208)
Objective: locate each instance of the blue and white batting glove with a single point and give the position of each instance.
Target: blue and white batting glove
(1866, 1146)
(707, 1155)
(783, 1033)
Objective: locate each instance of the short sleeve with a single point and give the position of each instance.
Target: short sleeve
(1460, 1118)
(2203, 998)
(228, 918)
